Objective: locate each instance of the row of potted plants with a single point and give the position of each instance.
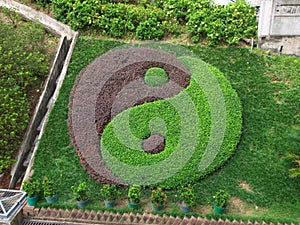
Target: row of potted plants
(110, 193)
(36, 188)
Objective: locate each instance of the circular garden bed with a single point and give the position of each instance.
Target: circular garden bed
(130, 127)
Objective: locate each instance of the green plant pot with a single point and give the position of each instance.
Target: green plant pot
(51, 199)
(32, 200)
(156, 208)
(184, 208)
(218, 210)
(109, 204)
(133, 205)
(83, 203)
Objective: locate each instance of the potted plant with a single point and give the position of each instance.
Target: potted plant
(49, 190)
(134, 196)
(80, 193)
(158, 199)
(33, 190)
(186, 199)
(109, 193)
(221, 201)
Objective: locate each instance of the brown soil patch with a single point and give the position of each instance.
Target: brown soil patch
(245, 186)
(237, 206)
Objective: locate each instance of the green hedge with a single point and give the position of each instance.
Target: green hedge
(200, 19)
(156, 77)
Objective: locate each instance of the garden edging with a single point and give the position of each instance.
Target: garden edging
(93, 217)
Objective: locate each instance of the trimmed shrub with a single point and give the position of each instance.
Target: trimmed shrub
(223, 24)
(156, 76)
(155, 19)
(150, 29)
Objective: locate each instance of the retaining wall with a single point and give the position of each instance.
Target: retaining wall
(51, 89)
(93, 217)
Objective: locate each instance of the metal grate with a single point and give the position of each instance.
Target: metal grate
(37, 222)
(10, 201)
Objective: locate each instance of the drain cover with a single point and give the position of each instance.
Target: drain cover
(10, 202)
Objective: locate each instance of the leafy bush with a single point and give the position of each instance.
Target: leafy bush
(178, 10)
(78, 14)
(80, 191)
(49, 187)
(155, 19)
(109, 192)
(23, 62)
(223, 24)
(158, 197)
(221, 198)
(43, 3)
(187, 196)
(150, 29)
(115, 21)
(32, 188)
(134, 194)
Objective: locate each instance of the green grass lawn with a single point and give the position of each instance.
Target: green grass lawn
(256, 176)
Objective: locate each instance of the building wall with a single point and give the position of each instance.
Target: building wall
(279, 26)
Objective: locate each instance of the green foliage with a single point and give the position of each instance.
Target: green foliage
(223, 24)
(115, 21)
(111, 19)
(150, 29)
(178, 10)
(80, 191)
(134, 194)
(187, 196)
(221, 198)
(23, 63)
(293, 153)
(158, 197)
(156, 77)
(49, 187)
(42, 3)
(32, 188)
(109, 192)
(152, 20)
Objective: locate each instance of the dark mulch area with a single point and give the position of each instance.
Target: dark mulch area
(109, 85)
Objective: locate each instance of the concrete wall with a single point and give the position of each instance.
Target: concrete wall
(56, 27)
(51, 89)
(279, 26)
